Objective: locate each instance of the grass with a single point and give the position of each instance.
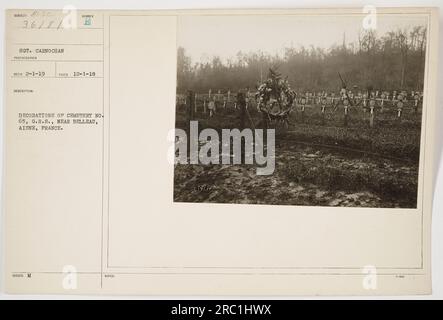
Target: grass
(389, 137)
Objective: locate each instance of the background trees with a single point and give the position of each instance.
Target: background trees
(390, 62)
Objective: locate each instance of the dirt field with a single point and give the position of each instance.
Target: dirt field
(324, 165)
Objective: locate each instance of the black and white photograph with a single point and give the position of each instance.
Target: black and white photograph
(303, 110)
(218, 159)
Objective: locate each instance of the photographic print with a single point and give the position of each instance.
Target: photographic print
(310, 110)
(298, 146)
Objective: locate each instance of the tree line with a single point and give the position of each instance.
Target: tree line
(394, 61)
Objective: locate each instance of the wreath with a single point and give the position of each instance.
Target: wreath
(275, 91)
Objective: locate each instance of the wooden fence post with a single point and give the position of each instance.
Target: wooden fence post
(302, 113)
(371, 112)
(323, 116)
(399, 110)
(303, 103)
(415, 104)
(241, 101)
(191, 103)
(371, 117)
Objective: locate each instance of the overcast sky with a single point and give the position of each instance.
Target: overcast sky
(206, 36)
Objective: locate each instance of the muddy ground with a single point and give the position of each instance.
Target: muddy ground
(304, 175)
(316, 164)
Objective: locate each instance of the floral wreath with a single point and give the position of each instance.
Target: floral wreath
(274, 90)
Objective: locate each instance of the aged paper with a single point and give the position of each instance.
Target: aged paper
(108, 191)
